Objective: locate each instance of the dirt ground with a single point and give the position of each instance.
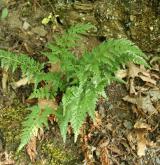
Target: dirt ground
(127, 126)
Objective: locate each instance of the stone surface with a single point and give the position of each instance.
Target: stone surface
(39, 30)
(137, 20)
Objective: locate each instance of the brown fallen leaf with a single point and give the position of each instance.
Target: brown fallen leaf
(130, 99)
(131, 137)
(138, 141)
(31, 101)
(21, 82)
(141, 132)
(142, 102)
(142, 125)
(155, 59)
(146, 105)
(122, 73)
(148, 79)
(31, 149)
(88, 155)
(132, 89)
(115, 149)
(104, 155)
(98, 121)
(135, 71)
(154, 94)
(40, 134)
(141, 143)
(49, 103)
(55, 67)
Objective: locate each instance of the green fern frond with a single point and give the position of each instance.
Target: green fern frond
(54, 79)
(28, 66)
(69, 38)
(36, 120)
(120, 51)
(80, 28)
(60, 49)
(62, 121)
(76, 104)
(42, 93)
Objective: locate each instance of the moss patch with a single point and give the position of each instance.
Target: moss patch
(51, 151)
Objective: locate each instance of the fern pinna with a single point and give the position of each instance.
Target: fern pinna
(82, 80)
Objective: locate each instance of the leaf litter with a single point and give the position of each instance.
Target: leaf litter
(127, 130)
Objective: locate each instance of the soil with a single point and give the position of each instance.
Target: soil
(127, 127)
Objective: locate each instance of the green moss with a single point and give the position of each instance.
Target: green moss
(50, 152)
(11, 119)
(57, 154)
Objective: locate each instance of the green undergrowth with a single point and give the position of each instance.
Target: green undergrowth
(81, 79)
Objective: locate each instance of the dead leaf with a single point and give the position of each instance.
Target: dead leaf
(130, 99)
(154, 94)
(122, 73)
(40, 134)
(115, 149)
(109, 126)
(31, 101)
(141, 89)
(155, 59)
(49, 103)
(143, 103)
(138, 138)
(132, 70)
(89, 160)
(158, 108)
(98, 120)
(141, 144)
(132, 87)
(147, 79)
(142, 125)
(20, 82)
(140, 72)
(104, 156)
(55, 67)
(31, 149)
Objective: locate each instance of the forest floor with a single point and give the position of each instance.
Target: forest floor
(127, 126)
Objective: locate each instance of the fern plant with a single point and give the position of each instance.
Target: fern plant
(82, 80)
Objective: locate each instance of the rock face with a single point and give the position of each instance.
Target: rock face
(111, 17)
(138, 20)
(145, 24)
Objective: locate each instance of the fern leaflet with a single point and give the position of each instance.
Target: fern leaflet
(28, 66)
(36, 120)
